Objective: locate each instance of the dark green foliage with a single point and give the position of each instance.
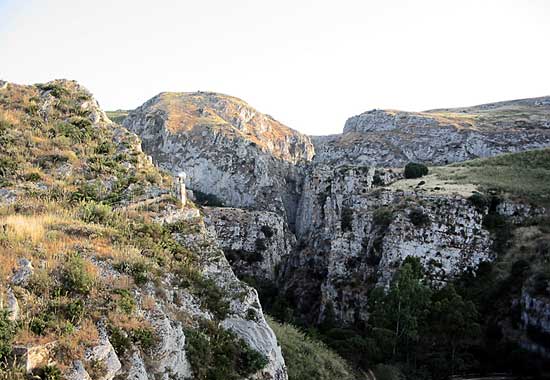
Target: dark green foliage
(218, 354)
(7, 333)
(382, 216)
(144, 337)
(74, 311)
(119, 339)
(454, 321)
(415, 170)
(55, 90)
(126, 301)
(8, 167)
(346, 220)
(32, 177)
(308, 358)
(404, 308)
(205, 199)
(77, 129)
(138, 270)
(88, 192)
(75, 279)
(211, 296)
(50, 372)
(122, 340)
(480, 201)
(105, 148)
(419, 218)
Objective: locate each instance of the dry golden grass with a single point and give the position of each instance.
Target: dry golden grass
(73, 346)
(127, 322)
(26, 228)
(148, 303)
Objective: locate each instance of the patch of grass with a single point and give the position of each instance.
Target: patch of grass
(523, 176)
(117, 116)
(307, 358)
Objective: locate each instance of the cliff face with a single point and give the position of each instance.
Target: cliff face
(357, 234)
(227, 148)
(393, 138)
(256, 243)
(106, 275)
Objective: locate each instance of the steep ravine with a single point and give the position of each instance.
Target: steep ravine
(335, 219)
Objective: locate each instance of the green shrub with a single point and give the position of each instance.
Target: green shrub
(139, 270)
(8, 166)
(480, 201)
(119, 339)
(93, 212)
(51, 372)
(126, 301)
(211, 296)
(55, 90)
(144, 337)
(218, 354)
(105, 147)
(382, 216)
(75, 278)
(419, 218)
(74, 311)
(415, 170)
(7, 333)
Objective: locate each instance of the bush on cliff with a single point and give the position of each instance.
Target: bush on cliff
(415, 170)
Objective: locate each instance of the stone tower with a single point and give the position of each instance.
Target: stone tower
(181, 192)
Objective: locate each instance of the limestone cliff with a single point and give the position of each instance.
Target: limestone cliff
(230, 150)
(393, 138)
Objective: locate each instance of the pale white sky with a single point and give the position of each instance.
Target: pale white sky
(310, 64)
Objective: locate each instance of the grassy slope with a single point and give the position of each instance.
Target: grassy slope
(91, 255)
(307, 358)
(523, 176)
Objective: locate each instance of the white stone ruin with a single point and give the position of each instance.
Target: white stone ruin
(181, 192)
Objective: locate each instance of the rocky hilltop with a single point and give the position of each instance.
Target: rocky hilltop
(227, 148)
(393, 138)
(319, 227)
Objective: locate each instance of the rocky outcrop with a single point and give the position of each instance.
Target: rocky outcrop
(227, 148)
(354, 235)
(393, 138)
(256, 243)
